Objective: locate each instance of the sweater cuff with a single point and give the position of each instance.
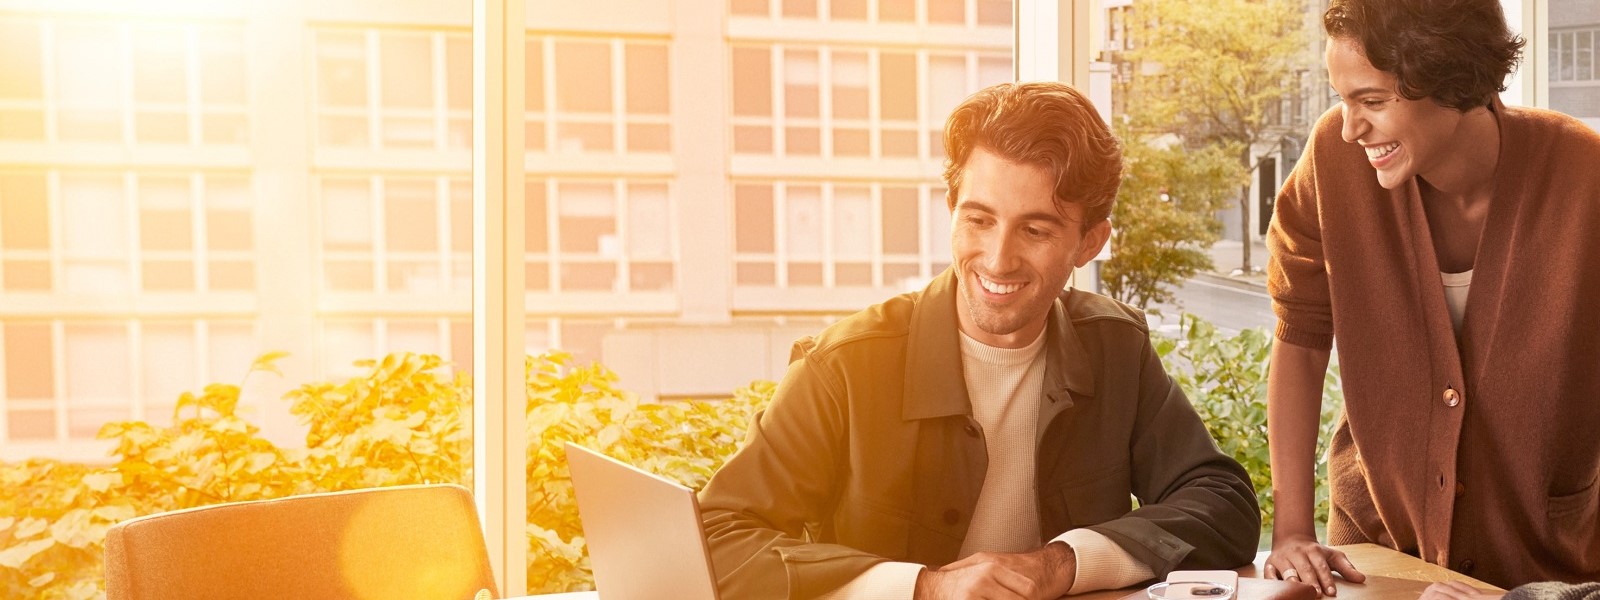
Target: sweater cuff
(1299, 337)
(883, 581)
(1101, 563)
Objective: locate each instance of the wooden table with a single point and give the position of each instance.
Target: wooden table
(1373, 559)
(1390, 576)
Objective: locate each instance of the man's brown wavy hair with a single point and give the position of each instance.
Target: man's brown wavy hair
(1046, 124)
(1455, 52)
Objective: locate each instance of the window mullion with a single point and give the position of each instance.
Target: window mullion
(498, 310)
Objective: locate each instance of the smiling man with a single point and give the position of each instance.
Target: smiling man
(985, 437)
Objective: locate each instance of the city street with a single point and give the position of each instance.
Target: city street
(1231, 306)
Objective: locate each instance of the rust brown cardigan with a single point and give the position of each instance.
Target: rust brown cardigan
(1500, 485)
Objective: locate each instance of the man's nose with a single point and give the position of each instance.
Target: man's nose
(1004, 252)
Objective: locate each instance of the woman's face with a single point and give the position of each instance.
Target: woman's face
(1403, 138)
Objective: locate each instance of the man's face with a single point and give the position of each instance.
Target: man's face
(1014, 248)
(1403, 138)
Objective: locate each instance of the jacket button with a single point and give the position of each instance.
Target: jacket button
(1466, 566)
(952, 516)
(1451, 397)
(1461, 489)
(972, 429)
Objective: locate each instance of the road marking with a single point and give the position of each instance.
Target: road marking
(1229, 288)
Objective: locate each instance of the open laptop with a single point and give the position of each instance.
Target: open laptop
(644, 535)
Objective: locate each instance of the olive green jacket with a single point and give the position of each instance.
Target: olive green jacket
(869, 453)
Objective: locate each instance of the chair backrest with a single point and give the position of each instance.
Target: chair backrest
(418, 541)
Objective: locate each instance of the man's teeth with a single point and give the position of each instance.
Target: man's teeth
(1377, 152)
(995, 288)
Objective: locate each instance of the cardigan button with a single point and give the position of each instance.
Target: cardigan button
(952, 516)
(1451, 397)
(1466, 567)
(1461, 489)
(972, 429)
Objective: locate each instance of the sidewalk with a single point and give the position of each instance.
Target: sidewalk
(1226, 261)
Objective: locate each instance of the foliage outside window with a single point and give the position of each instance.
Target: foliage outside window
(1165, 218)
(1214, 76)
(403, 421)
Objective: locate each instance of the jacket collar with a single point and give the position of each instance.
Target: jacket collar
(934, 385)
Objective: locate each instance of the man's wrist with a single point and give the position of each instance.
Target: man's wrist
(922, 588)
(1062, 562)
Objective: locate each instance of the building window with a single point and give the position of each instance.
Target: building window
(67, 378)
(959, 13)
(122, 83)
(808, 234)
(111, 233)
(384, 89)
(792, 100)
(1572, 55)
(600, 235)
(597, 95)
(397, 234)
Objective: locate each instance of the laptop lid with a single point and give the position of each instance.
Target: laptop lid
(643, 530)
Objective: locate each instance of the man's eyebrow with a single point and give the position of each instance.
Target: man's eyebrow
(1048, 217)
(1366, 90)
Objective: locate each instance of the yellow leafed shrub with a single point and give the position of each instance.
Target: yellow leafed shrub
(404, 421)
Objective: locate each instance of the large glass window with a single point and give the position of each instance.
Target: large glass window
(702, 196)
(225, 233)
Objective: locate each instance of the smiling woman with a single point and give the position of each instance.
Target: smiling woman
(1420, 191)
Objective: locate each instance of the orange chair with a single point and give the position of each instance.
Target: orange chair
(417, 541)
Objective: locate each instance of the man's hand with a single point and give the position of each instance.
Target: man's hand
(1454, 590)
(1043, 574)
(1302, 559)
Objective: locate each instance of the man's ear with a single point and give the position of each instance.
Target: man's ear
(1094, 238)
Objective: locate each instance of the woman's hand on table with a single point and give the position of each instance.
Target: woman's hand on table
(1302, 559)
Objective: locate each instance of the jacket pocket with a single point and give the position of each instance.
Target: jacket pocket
(1574, 527)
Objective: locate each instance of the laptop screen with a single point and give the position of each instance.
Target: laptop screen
(643, 531)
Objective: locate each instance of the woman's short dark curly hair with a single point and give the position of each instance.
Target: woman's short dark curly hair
(1047, 124)
(1456, 52)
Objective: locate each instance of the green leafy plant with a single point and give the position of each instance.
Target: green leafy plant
(685, 441)
(1165, 217)
(1226, 380)
(1214, 74)
(403, 421)
(400, 423)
